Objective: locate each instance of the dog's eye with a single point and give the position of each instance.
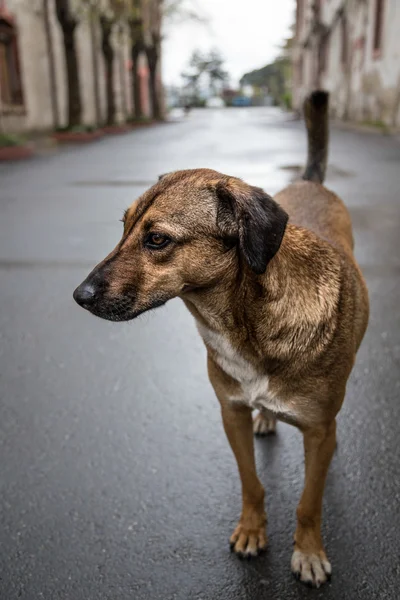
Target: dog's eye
(155, 241)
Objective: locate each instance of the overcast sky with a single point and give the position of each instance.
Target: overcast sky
(247, 33)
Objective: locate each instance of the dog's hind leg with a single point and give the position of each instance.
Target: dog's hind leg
(264, 423)
(309, 561)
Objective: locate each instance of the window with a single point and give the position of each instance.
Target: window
(378, 28)
(10, 77)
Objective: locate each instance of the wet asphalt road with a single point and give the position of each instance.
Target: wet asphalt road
(116, 480)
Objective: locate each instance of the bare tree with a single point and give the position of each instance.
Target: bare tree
(180, 11)
(106, 25)
(68, 22)
(93, 21)
(52, 70)
(121, 61)
(116, 11)
(208, 65)
(136, 29)
(153, 51)
(145, 22)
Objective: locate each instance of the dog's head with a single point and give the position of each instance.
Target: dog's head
(189, 231)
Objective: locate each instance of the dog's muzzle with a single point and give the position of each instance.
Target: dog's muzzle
(94, 295)
(92, 291)
(85, 295)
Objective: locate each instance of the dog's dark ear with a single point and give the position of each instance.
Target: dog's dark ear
(257, 222)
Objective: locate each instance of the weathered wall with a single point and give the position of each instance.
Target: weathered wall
(380, 79)
(33, 63)
(37, 114)
(366, 88)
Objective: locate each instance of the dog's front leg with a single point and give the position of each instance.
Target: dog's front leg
(309, 561)
(249, 537)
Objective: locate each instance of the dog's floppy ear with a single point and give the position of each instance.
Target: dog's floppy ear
(257, 222)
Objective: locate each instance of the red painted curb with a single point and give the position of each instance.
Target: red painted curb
(115, 129)
(139, 125)
(15, 152)
(76, 137)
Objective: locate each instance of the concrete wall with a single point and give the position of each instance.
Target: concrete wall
(37, 113)
(366, 87)
(34, 69)
(380, 79)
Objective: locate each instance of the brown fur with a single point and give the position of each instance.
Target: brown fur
(297, 316)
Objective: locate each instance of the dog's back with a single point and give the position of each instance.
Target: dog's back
(312, 206)
(308, 203)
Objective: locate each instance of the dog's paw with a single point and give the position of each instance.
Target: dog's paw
(248, 542)
(312, 569)
(264, 424)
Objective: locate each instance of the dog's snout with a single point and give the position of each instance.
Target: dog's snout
(85, 294)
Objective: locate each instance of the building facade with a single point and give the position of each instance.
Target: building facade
(29, 99)
(352, 49)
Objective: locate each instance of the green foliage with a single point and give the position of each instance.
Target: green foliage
(198, 102)
(287, 100)
(179, 11)
(275, 77)
(11, 139)
(204, 64)
(378, 124)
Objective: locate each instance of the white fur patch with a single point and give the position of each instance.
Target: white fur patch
(255, 387)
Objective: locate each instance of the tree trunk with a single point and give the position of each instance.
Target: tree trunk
(152, 60)
(95, 65)
(52, 71)
(124, 102)
(154, 98)
(122, 79)
(68, 25)
(74, 90)
(137, 96)
(108, 53)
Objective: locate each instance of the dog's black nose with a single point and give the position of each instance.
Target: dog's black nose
(85, 294)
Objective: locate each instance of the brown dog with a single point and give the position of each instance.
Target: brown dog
(281, 305)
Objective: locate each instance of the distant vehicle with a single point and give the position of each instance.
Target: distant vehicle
(241, 101)
(215, 102)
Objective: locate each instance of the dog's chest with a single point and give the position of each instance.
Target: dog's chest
(255, 390)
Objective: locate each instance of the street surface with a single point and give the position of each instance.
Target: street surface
(116, 480)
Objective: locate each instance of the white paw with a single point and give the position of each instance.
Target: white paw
(264, 424)
(311, 569)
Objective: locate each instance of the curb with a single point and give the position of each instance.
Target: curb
(349, 126)
(11, 153)
(71, 137)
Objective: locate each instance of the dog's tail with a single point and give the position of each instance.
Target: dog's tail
(316, 117)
